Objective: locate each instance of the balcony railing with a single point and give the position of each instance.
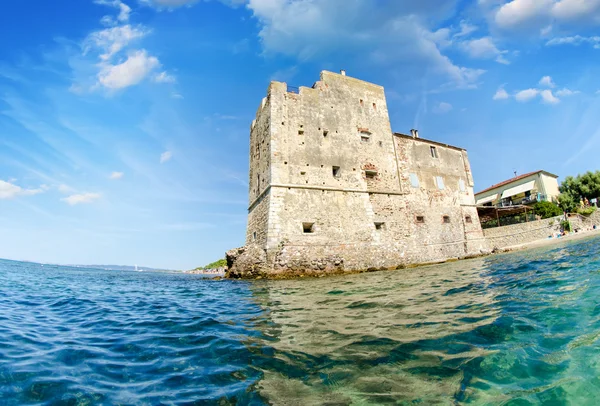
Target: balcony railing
(524, 200)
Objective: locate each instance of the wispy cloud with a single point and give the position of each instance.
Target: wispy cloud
(116, 175)
(81, 198)
(165, 156)
(9, 190)
(164, 77)
(442, 108)
(501, 94)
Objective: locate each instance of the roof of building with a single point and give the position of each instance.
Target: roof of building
(441, 144)
(516, 178)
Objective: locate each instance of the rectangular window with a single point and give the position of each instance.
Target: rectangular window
(433, 152)
(461, 185)
(446, 219)
(420, 219)
(325, 132)
(468, 219)
(414, 180)
(379, 225)
(365, 138)
(439, 181)
(254, 236)
(336, 171)
(308, 228)
(370, 173)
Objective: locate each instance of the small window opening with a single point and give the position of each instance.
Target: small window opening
(414, 180)
(325, 132)
(379, 225)
(420, 219)
(374, 106)
(302, 173)
(468, 219)
(308, 228)
(301, 126)
(364, 138)
(439, 181)
(381, 143)
(433, 151)
(446, 219)
(361, 102)
(336, 171)
(283, 123)
(300, 132)
(370, 173)
(254, 236)
(258, 180)
(285, 163)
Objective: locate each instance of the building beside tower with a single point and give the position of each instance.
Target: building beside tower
(333, 189)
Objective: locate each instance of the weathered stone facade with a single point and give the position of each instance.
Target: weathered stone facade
(333, 190)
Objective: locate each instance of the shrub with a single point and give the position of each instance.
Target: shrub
(547, 210)
(566, 226)
(587, 211)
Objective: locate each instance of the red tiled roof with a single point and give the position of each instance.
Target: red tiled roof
(511, 180)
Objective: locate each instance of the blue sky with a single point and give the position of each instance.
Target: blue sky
(124, 125)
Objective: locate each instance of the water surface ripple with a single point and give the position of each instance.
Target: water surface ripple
(517, 329)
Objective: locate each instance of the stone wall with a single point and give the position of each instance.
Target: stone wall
(331, 187)
(515, 234)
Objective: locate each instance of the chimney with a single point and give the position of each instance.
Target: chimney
(412, 133)
(416, 133)
(343, 72)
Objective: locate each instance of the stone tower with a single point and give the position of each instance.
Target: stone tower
(333, 189)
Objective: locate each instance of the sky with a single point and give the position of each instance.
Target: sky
(124, 124)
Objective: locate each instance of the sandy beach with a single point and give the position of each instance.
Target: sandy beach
(555, 240)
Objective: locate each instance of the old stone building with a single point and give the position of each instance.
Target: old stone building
(333, 189)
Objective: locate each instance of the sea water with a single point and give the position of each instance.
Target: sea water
(512, 329)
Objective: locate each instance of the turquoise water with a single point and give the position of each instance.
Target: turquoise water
(513, 329)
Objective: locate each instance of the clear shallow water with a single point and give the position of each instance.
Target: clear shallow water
(512, 329)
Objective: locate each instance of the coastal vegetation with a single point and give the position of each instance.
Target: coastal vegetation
(574, 190)
(214, 265)
(547, 210)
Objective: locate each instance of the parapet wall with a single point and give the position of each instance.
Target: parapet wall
(515, 234)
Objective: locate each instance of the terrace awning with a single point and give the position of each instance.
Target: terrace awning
(518, 189)
(488, 199)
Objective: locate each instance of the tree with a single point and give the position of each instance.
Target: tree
(573, 189)
(547, 209)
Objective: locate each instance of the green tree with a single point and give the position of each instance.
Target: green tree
(547, 209)
(217, 264)
(573, 189)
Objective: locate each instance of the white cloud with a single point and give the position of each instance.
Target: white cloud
(546, 81)
(575, 40)
(520, 12)
(165, 156)
(538, 14)
(131, 72)
(124, 9)
(116, 175)
(548, 97)
(567, 92)
(484, 48)
(81, 198)
(526, 95)
(501, 94)
(397, 35)
(168, 3)
(466, 29)
(164, 77)
(64, 188)
(112, 40)
(176, 95)
(9, 190)
(442, 108)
